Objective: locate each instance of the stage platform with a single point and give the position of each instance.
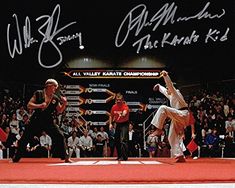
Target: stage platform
(109, 171)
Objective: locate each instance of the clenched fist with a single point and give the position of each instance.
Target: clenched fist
(64, 100)
(156, 87)
(164, 73)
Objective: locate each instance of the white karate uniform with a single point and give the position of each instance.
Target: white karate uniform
(73, 145)
(179, 118)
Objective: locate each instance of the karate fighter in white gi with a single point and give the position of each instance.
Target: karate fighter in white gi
(178, 113)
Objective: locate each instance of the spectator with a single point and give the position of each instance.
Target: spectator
(226, 108)
(4, 121)
(212, 143)
(99, 146)
(90, 131)
(14, 124)
(73, 145)
(94, 133)
(231, 112)
(103, 134)
(24, 122)
(220, 120)
(194, 103)
(10, 142)
(46, 144)
(105, 138)
(66, 128)
(20, 112)
(111, 134)
(163, 146)
(86, 144)
(230, 124)
(133, 144)
(152, 142)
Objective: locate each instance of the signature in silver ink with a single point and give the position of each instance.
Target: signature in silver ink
(50, 31)
(166, 14)
(28, 40)
(64, 39)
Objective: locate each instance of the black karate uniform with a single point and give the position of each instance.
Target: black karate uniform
(39, 121)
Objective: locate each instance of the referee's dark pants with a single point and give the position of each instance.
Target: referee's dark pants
(121, 140)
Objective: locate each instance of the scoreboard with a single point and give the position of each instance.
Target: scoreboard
(91, 94)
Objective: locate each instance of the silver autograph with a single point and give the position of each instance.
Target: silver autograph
(165, 15)
(49, 29)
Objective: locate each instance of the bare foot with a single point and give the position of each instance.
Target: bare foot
(180, 159)
(68, 160)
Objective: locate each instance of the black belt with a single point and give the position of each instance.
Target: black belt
(184, 108)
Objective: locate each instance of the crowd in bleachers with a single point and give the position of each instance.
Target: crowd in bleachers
(82, 141)
(216, 117)
(215, 128)
(215, 121)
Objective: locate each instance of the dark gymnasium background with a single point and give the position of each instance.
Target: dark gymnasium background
(96, 48)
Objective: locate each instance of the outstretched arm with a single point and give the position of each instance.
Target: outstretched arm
(168, 81)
